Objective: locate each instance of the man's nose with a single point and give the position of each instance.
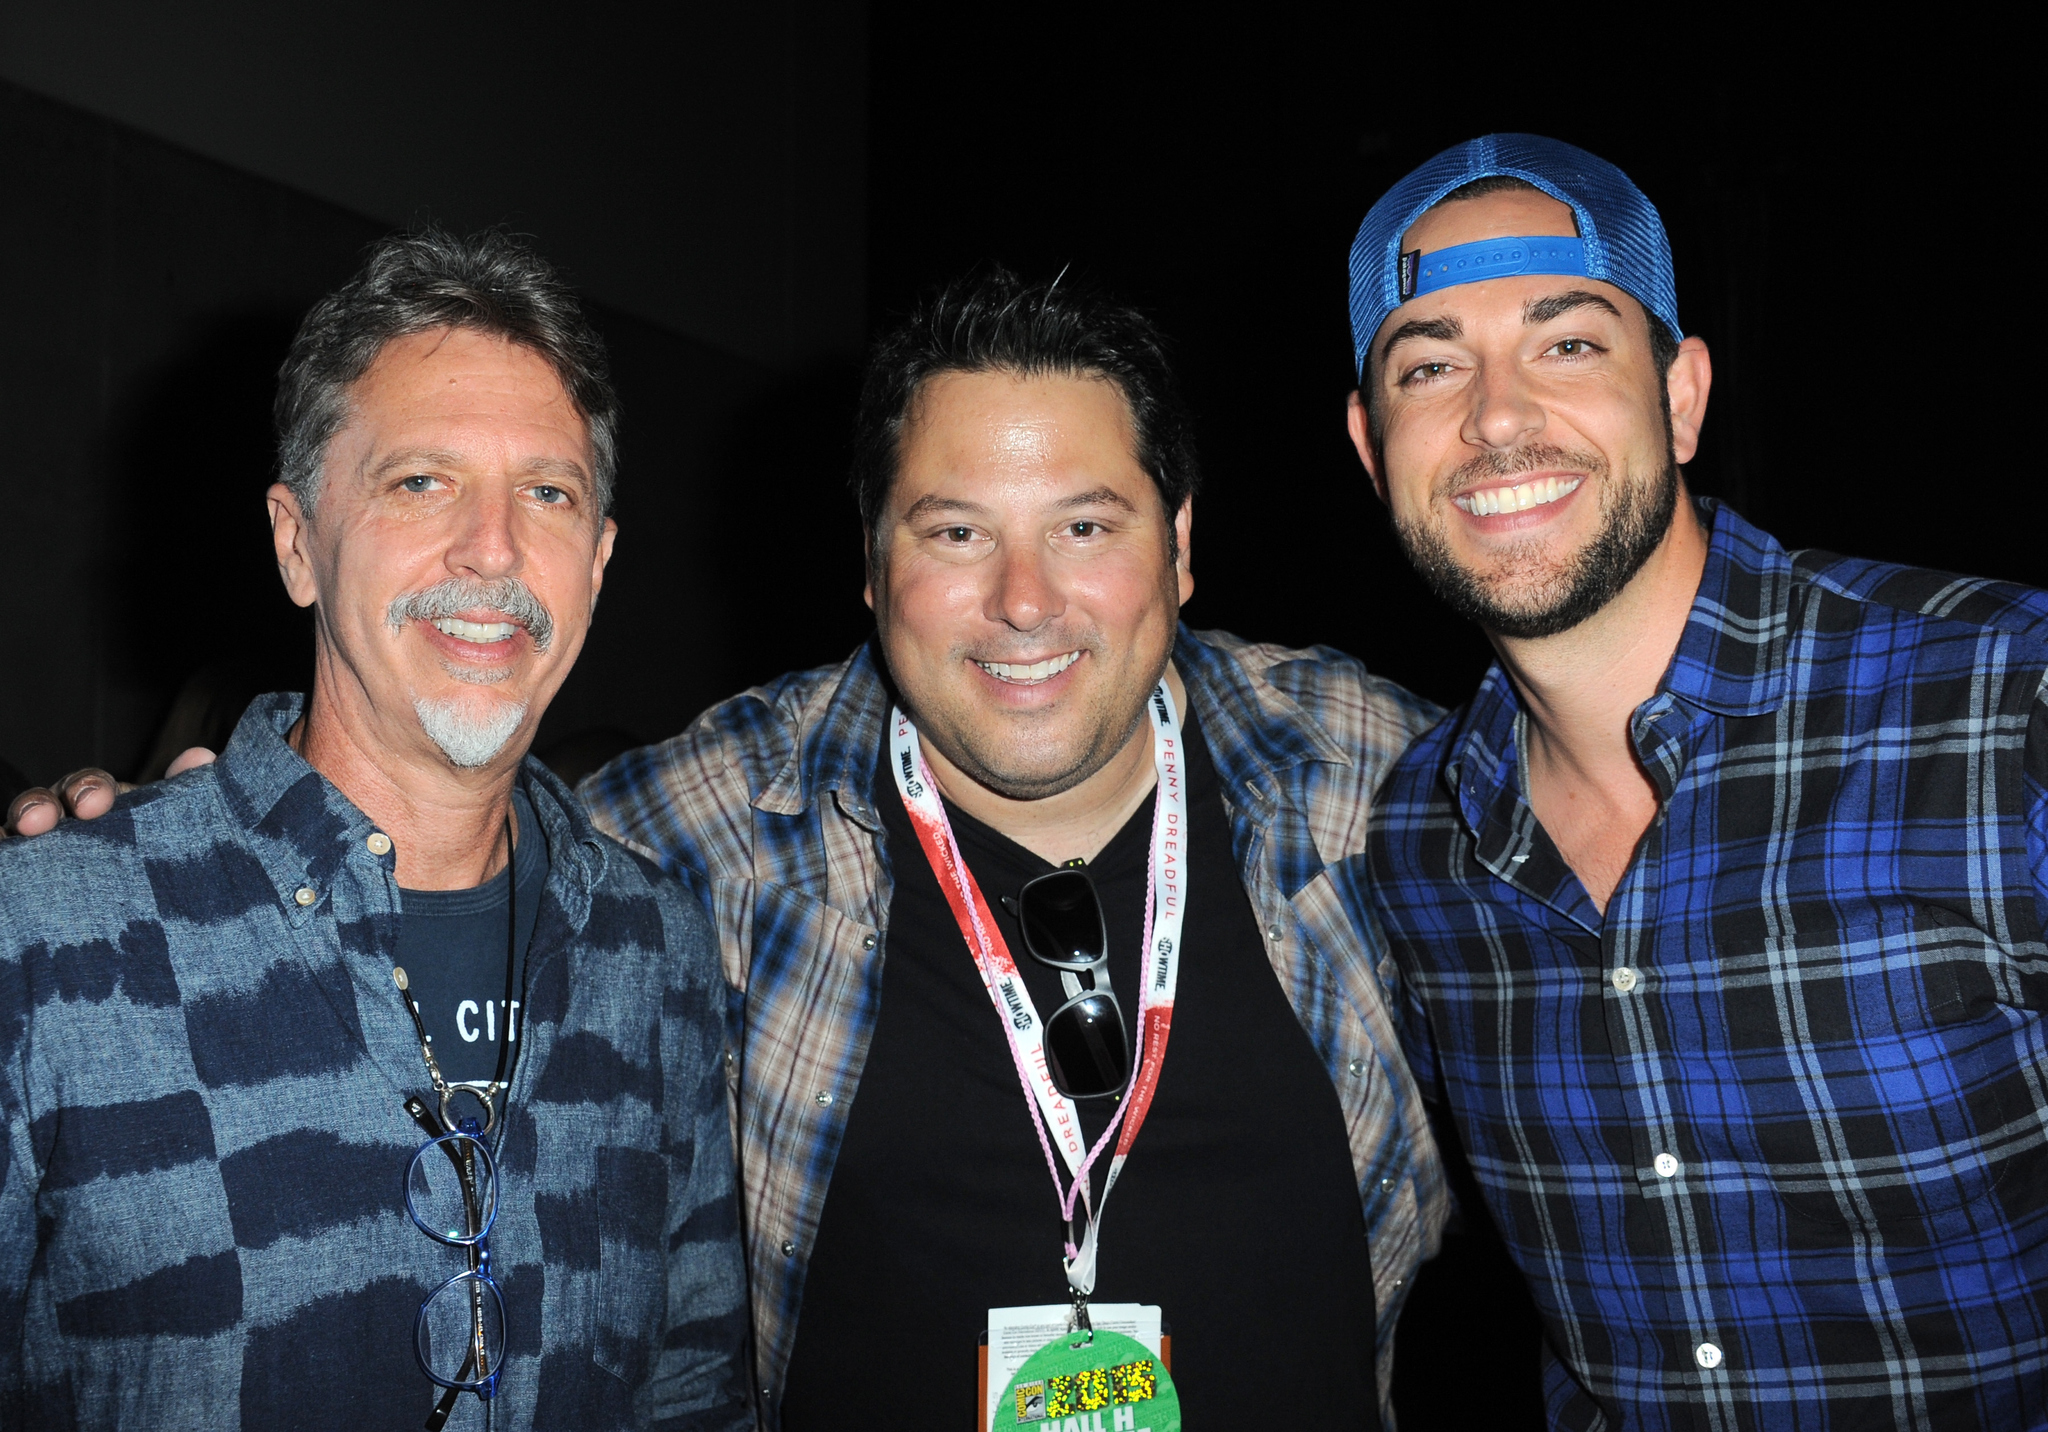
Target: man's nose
(1504, 411)
(486, 540)
(1024, 595)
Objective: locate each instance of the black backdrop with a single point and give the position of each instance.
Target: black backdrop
(1849, 220)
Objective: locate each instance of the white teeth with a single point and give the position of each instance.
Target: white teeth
(482, 633)
(1031, 674)
(1492, 500)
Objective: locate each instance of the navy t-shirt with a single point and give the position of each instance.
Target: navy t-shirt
(453, 946)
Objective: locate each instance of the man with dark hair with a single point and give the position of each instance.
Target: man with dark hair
(356, 1071)
(1718, 911)
(1029, 897)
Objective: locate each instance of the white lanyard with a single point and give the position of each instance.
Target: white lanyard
(1166, 895)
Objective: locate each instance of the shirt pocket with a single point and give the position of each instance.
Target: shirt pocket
(1885, 1082)
(632, 1275)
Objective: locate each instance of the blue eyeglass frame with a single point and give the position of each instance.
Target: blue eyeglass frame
(467, 1136)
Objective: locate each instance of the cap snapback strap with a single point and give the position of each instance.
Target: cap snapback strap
(1489, 258)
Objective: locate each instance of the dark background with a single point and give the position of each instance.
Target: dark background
(745, 191)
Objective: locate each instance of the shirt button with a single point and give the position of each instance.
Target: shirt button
(1624, 979)
(788, 1248)
(379, 843)
(730, 1059)
(305, 895)
(1707, 1356)
(1386, 1185)
(867, 942)
(1274, 932)
(1357, 1067)
(824, 1098)
(1666, 1166)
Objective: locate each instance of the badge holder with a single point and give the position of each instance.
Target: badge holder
(1042, 1373)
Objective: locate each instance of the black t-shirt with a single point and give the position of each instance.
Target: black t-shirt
(1237, 1213)
(453, 945)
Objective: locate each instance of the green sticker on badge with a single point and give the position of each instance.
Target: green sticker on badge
(1111, 1384)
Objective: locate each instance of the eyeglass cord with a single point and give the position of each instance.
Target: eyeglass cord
(439, 1125)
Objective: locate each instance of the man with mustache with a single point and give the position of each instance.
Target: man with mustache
(355, 1080)
(1719, 909)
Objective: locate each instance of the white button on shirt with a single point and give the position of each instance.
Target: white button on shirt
(1624, 979)
(1666, 1166)
(1707, 1356)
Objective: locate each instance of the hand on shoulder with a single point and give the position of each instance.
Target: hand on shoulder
(82, 795)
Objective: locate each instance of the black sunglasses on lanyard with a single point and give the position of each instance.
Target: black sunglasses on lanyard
(1087, 1048)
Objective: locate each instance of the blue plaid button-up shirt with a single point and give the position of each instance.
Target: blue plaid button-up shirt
(203, 1062)
(1770, 1140)
(766, 805)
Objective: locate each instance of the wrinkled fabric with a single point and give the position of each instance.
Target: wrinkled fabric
(203, 1058)
(766, 806)
(1788, 1098)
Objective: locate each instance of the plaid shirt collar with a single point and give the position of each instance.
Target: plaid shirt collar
(308, 830)
(835, 753)
(1731, 661)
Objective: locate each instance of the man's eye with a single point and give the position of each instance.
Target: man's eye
(959, 534)
(1573, 348)
(550, 495)
(1084, 528)
(1423, 372)
(418, 482)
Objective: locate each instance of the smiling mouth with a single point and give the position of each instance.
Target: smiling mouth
(1491, 501)
(481, 633)
(1032, 673)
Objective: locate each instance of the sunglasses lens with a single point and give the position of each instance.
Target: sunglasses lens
(1062, 919)
(1087, 1049)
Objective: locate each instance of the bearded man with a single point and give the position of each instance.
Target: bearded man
(356, 1071)
(1719, 909)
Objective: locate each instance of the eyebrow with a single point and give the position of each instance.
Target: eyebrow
(1556, 305)
(932, 504)
(444, 457)
(1097, 497)
(1445, 329)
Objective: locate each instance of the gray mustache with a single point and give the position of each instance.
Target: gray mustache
(508, 596)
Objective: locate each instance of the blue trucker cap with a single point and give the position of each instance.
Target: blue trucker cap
(1621, 238)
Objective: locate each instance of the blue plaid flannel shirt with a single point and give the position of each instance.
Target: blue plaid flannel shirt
(1770, 1140)
(766, 805)
(203, 1060)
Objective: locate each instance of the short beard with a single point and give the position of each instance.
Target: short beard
(469, 740)
(1638, 517)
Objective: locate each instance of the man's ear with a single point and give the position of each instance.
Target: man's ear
(1688, 382)
(607, 538)
(867, 547)
(1359, 419)
(291, 538)
(1183, 541)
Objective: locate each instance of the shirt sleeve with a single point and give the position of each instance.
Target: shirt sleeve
(20, 1173)
(2037, 801)
(702, 1381)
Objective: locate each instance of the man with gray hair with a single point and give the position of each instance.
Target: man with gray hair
(356, 1071)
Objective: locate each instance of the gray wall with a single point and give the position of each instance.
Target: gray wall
(146, 297)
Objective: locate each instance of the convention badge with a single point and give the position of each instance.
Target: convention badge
(1089, 1382)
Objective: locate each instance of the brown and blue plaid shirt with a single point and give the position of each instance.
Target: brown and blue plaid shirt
(1770, 1138)
(766, 805)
